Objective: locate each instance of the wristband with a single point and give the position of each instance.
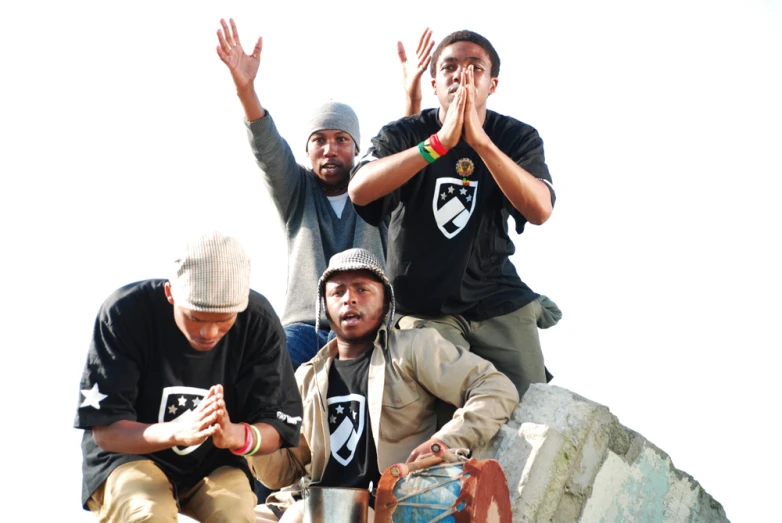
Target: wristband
(428, 157)
(248, 441)
(437, 145)
(258, 440)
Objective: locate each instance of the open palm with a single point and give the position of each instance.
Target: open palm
(243, 67)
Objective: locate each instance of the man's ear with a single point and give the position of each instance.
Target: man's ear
(493, 86)
(167, 288)
(434, 86)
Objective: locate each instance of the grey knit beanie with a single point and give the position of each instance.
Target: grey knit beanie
(212, 274)
(354, 260)
(335, 115)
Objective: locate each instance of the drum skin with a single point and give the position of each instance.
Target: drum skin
(480, 494)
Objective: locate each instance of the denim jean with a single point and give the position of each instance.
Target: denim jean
(304, 342)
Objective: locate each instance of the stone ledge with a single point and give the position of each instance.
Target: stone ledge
(568, 459)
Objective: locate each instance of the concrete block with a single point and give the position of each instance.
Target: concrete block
(568, 459)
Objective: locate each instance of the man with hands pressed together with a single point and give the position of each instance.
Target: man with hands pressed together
(369, 394)
(184, 378)
(450, 178)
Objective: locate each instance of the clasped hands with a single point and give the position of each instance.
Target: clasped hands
(209, 419)
(462, 119)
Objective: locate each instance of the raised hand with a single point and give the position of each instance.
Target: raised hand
(243, 67)
(412, 71)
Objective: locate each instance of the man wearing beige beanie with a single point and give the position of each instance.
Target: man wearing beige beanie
(184, 378)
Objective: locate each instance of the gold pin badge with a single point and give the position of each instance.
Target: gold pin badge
(465, 167)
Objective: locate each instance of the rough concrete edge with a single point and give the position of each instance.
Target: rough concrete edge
(628, 444)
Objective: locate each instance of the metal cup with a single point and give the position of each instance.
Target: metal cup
(335, 505)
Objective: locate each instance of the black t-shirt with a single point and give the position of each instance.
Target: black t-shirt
(449, 247)
(140, 367)
(353, 459)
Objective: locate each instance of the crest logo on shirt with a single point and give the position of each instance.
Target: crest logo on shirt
(346, 424)
(177, 404)
(453, 203)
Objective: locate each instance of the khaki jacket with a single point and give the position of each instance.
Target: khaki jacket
(409, 370)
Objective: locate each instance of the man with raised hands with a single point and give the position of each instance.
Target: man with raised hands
(312, 202)
(449, 178)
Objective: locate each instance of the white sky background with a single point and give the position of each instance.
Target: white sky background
(121, 132)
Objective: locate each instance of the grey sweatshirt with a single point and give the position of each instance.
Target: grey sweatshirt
(313, 231)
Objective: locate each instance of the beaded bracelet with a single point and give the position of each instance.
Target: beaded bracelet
(258, 439)
(248, 441)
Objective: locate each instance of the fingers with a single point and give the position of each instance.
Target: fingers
(223, 43)
(234, 32)
(228, 38)
(425, 58)
(425, 41)
(257, 50)
(400, 50)
(424, 50)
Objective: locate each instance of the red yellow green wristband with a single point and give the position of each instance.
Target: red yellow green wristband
(427, 154)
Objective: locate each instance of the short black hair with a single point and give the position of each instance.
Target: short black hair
(467, 36)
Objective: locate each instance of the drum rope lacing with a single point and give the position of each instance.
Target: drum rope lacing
(448, 509)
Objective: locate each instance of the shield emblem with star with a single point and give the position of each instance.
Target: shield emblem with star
(346, 424)
(453, 203)
(176, 404)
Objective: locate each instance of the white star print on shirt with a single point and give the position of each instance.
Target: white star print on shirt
(93, 397)
(182, 401)
(340, 409)
(172, 409)
(463, 191)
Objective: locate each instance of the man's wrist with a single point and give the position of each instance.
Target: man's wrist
(239, 435)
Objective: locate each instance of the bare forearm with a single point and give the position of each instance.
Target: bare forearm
(270, 438)
(132, 437)
(379, 177)
(412, 106)
(251, 104)
(526, 193)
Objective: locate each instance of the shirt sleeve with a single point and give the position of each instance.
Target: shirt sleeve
(392, 139)
(526, 150)
(484, 396)
(267, 387)
(109, 383)
(284, 178)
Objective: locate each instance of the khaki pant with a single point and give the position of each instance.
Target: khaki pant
(510, 342)
(140, 491)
